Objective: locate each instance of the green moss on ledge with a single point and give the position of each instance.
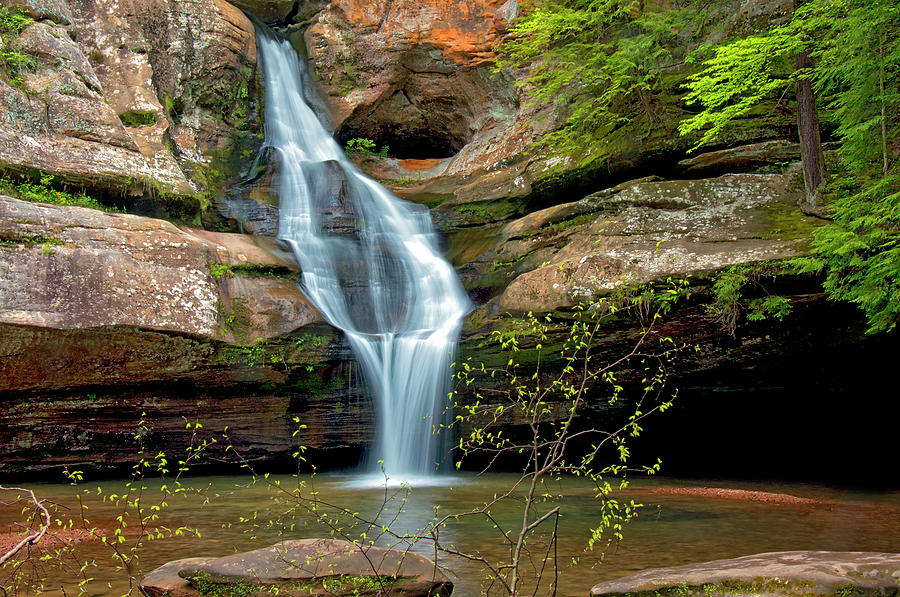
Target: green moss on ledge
(486, 212)
(306, 351)
(35, 239)
(785, 223)
(250, 270)
(210, 585)
(133, 118)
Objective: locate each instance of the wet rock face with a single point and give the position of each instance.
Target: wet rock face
(177, 297)
(420, 78)
(268, 10)
(416, 76)
(299, 567)
(134, 96)
(186, 68)
(93, 427)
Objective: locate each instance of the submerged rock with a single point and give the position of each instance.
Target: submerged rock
(789, 573)
(302, 568)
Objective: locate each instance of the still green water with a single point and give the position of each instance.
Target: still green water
(671, 529)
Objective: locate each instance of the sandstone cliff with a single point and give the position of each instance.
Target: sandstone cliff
(131, 98)
(105, 317)
(154, 106)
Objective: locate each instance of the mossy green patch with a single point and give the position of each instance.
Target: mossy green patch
(133, 118)
(282, 353)
(220, 270)
(210, 585)
(403, 181)
(470, 243)
(238, 321)
(35, 239)
(486, 347)
(786, 222)
(237, 101)
(487, 212)
(263, 270)
(41, 187)
(250, 270)
(561, 225)
(348, 69)
(314, 385)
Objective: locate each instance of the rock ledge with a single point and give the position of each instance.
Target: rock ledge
(788, 573)
(302, 567)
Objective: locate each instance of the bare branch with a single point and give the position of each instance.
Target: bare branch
(35, 536)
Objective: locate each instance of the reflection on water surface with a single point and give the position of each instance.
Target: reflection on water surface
(672, 529)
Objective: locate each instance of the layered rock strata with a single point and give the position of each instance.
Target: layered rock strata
(104, 317)
(154, 105)
(637, 232)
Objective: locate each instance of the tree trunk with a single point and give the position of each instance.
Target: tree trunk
(884, 143)
(810, 138)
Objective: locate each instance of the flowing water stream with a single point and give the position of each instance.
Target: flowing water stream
(371, 266)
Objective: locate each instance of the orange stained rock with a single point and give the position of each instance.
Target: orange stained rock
(466, 32)
(419, 165)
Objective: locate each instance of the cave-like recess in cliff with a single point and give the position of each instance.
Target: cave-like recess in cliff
(416, 144)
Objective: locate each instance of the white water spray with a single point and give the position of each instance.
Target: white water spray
(370, 265)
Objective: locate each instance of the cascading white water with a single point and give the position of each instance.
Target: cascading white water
(370, 264)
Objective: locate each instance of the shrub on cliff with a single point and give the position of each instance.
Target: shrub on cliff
(604, 60)
(12, 59)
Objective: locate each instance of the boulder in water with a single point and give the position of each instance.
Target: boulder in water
(302, 567)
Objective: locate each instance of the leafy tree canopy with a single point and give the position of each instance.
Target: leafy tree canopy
(857, 52)
(603, 59)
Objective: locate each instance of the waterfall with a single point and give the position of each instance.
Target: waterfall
(371, 266)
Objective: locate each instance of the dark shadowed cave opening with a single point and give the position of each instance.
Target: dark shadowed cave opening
(419, 144)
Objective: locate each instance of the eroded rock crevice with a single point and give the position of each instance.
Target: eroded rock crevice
(414, 76)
